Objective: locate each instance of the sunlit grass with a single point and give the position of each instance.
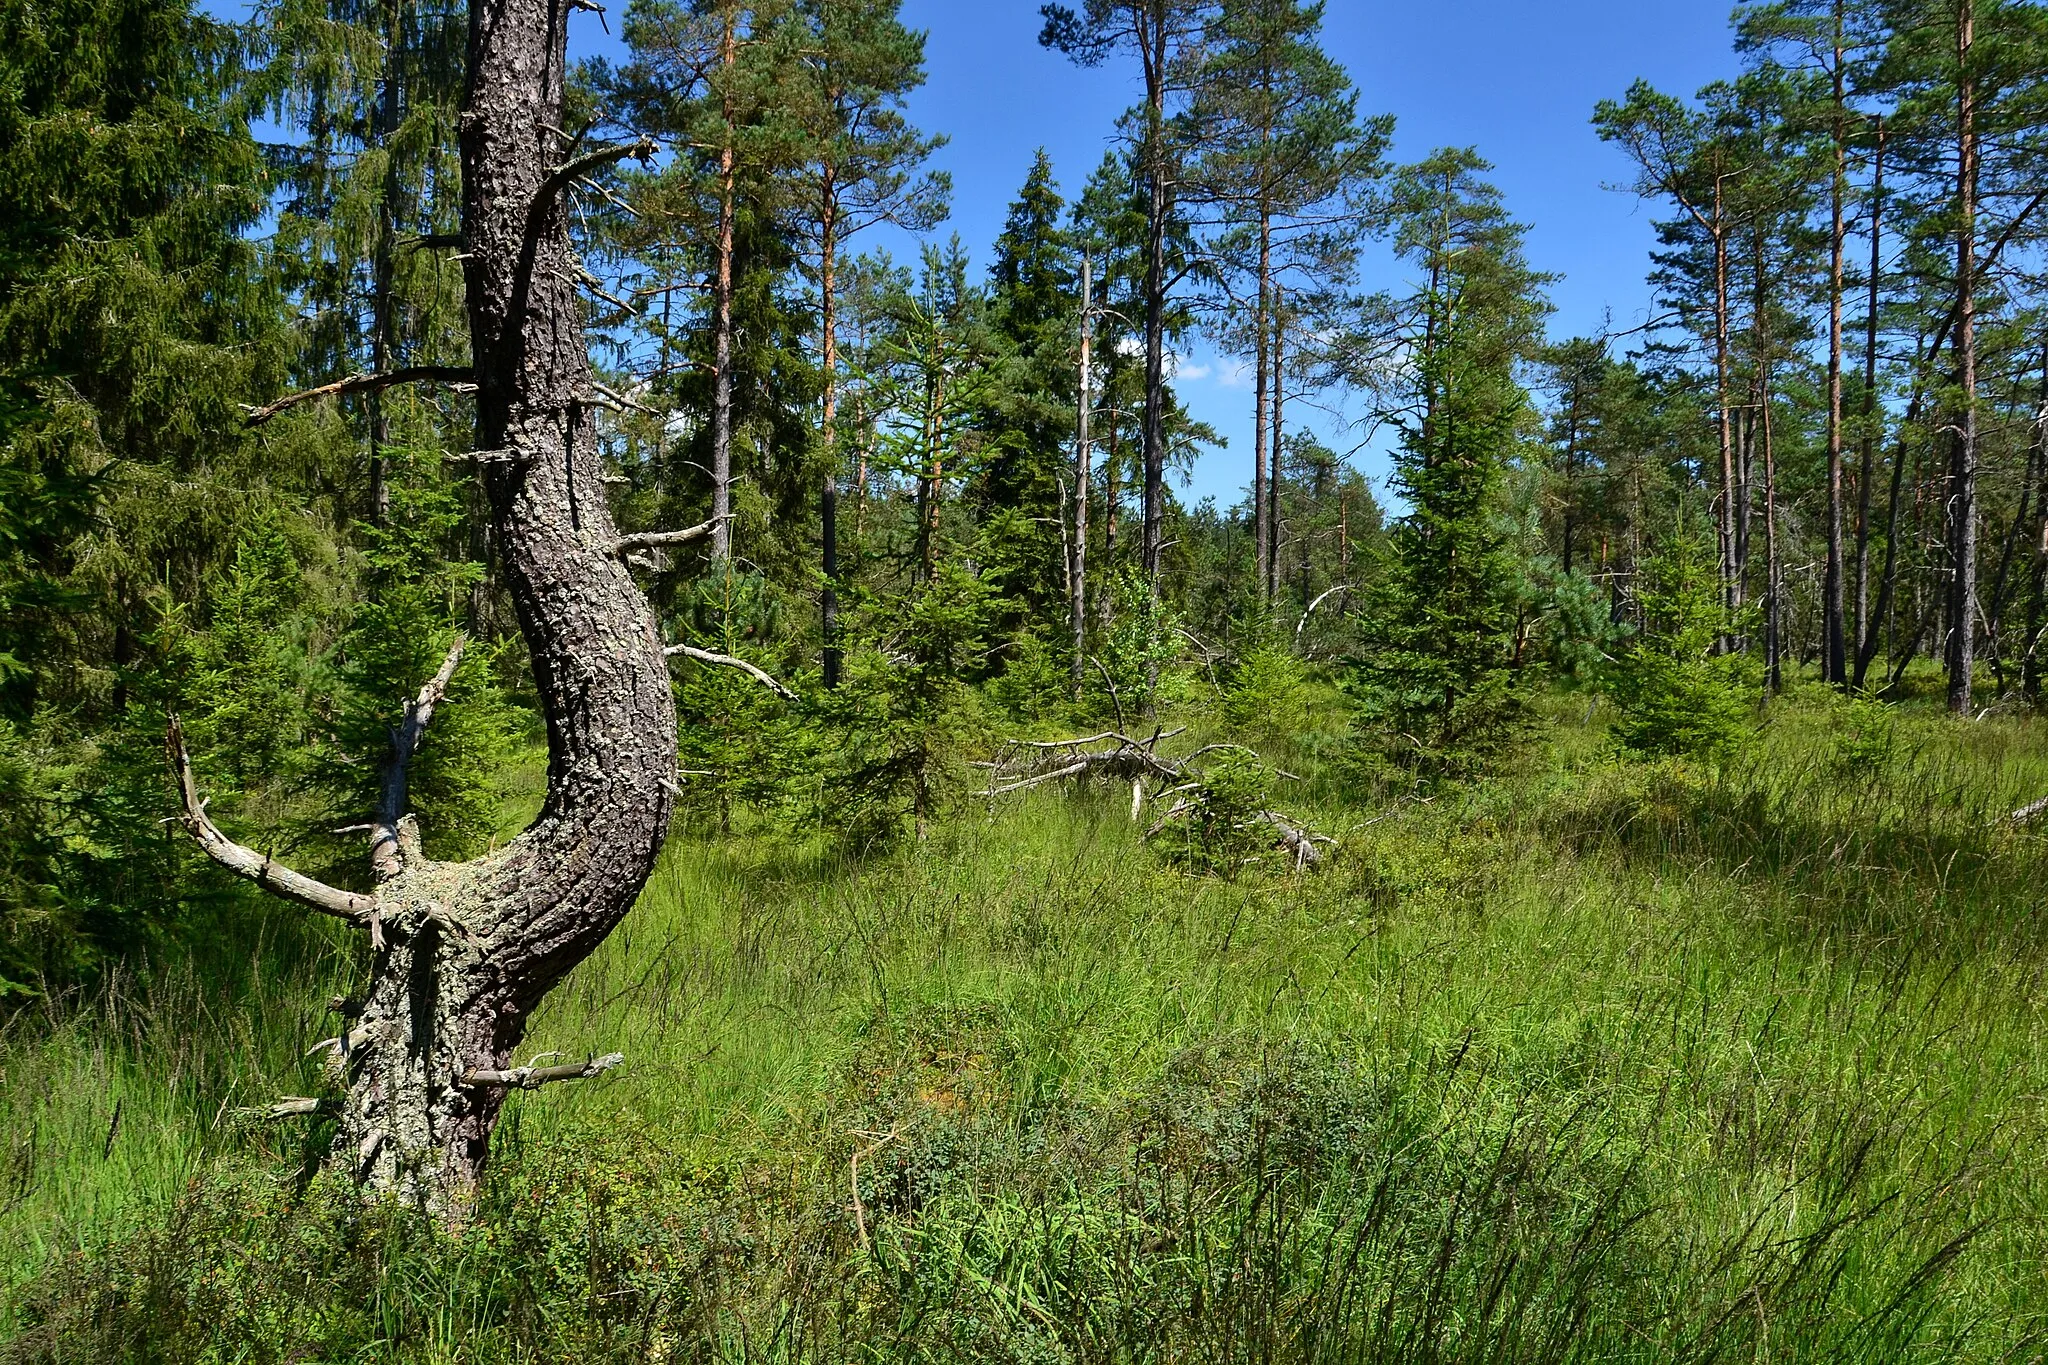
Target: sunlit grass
(1606, 1059)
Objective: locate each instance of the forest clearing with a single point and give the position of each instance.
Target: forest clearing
(594, 769)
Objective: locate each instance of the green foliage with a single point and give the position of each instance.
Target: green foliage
(1267, 695)
(1138, 644)
(1578, 636)
(1034, 683)
(396, 639)
(246, 692)
(1680, 691)
(903, 715)
(740, 743)
(1221, 829)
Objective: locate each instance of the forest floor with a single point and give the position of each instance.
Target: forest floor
(1601, 1059)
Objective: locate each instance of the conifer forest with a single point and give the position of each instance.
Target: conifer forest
(618, 744)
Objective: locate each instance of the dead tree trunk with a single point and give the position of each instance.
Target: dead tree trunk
(462, 953)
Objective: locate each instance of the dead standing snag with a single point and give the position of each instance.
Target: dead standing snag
(464, 952)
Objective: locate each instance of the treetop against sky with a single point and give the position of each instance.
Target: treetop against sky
(1517, 81)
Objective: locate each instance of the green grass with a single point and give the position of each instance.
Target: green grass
(1602, 1061)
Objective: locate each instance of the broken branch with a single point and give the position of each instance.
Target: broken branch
(458, 375)
(562, 176)
(293, 1106)
(705, 656)
(246, 862)
(649, 540)
(387, 854)
(534, 1077)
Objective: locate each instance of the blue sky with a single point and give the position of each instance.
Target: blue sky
(1516, 79)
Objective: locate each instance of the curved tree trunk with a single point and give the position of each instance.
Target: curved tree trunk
(462, 953)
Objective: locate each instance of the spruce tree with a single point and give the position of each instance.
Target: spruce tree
(1439, 673)
(1022, 490)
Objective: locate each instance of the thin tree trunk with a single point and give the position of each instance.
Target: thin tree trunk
(383, 305)
(2037, 598)
(1867, 458)
(1963, 478)
(1774, 600)
(1156, 212)
(1571, 475)
(1271, 550)
(1078, 565)
(828, 490)
(1262, 507)
(1834, 646)
(721, 397)
(1888, 579)
(1731, 575)
(1774, 582)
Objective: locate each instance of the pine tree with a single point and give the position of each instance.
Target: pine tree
(1678, 690)
(1289, 163)
(135, 312)
(858, 166)
(1167, 37)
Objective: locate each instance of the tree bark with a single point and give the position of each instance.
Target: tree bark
(463, 953)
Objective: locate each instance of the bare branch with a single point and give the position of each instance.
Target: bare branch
(486, 457)
(455, 375)
(2029, 811)
(534, 1077)
(1302, 624)
(291, 1107)
(560, 178)
(650, 540)
(1299, 840)
(259, 868)
(1025, 764)
(387, 839)
(705, 656)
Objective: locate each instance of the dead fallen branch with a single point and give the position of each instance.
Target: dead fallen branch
(1024, 764)
(531, 1077)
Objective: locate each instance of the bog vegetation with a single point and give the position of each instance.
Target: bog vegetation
(1588, 906)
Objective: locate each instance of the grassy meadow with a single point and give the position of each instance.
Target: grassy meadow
(1598, 1060)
